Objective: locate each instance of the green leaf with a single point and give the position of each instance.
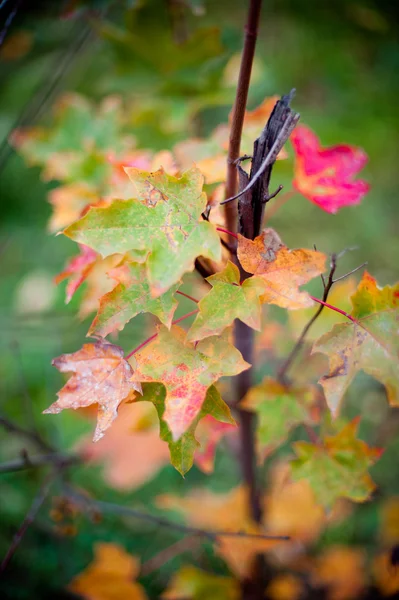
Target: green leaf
(129, 298)
(369, 343)
(336, 468)
(187, 370)
(182, 451)
(193, 583)
(228, 300)
(164, 220)
(279, 409)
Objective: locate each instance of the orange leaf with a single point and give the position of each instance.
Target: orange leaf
(187, 370)
(227, 512)
(77, 270)
(282, 270)
(342, 571)
(101, 376)
(127, 442)
(110, 576)
(325, 176)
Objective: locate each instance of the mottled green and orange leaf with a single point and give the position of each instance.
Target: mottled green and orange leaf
(187, 371)
(130, 297)
(191, 446)
(164, 220)
(101, 376)
(282, 270)
(370, 343)
(226, 301)
(279, 408)
(338, 467)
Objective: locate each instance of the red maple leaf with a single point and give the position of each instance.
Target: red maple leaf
(325, 175)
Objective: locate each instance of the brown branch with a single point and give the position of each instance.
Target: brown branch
(30, 517)
(282, 373)
(89, 504)
(26, 433)
(34, 462)
(238, 113)
(167, 554)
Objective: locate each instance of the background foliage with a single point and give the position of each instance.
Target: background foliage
(343, 60)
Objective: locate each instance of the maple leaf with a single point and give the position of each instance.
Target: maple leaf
(280, 517)
(209, 432)
(369, 342)
(110, 575)
(338, 467)
(77, 270)
(223, 512)
(101, 376)
(187, 371)
(164, 221)
(193, 583)
(228, 300)
(279, 408)
(97, 283)
(130, 297)
(182, 451)
(281, 269)
(325, 176)
(134, 435)
(342, 571)
(69, 201)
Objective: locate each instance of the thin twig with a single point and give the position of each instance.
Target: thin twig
(281, 375)
(29, 518)
(41, 460)
(238, 112)
(88, 503)
(187, 296)
(350, 272)
(26, 433)
(167, 554)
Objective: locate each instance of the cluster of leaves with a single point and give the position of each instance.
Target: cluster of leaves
(143, 222)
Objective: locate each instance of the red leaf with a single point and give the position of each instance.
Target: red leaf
(325, 176)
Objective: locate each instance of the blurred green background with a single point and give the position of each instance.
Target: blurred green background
(343, 60)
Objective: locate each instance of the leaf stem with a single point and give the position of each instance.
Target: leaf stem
(152, 337)
(238, 112)
(335, 308)
(187, 296)
(234, 235)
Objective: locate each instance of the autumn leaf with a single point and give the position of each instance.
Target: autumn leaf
(195, 584)
(279, 409)
(224, 512)
(133, 435)
(385, 574)
(110, 575)
(97, 283)
(369, 342)
(285, 586)
(227, 300)
(208, 433)
(101, 376)
(338, 467)
(187, 371)
(281, 269)
(164, 220)
(285, 504)
(77, 271)
(69, 202)
(130, 297)
(183, 450)
(340, 570)
(326, 176)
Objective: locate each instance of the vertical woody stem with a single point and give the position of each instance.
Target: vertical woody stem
(251, 33)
